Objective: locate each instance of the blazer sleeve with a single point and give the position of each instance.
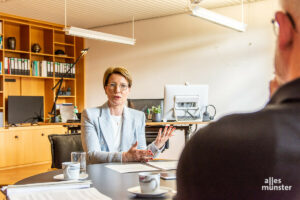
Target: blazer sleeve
(91, 143)
(142, 140)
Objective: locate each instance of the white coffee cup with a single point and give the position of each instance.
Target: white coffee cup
(71, 170)
(79, 157)
(149, 182)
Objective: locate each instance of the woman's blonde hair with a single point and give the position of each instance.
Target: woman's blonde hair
(117, 70)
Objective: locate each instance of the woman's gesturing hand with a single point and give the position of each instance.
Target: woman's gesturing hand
(162, 137)
(134, 154)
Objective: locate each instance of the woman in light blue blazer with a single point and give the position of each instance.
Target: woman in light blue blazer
(115, 133)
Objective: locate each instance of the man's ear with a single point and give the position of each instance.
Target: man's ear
(286, 29)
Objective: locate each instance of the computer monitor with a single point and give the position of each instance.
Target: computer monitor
(25, 109)
(185, 102)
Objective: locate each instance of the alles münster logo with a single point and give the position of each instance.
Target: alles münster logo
(274, 184)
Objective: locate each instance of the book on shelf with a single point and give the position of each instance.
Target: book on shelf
(22, 69)
(6, 65)
(0, 27)
(62, 68)
(41, 68)
(19, 66)
(0, 67)
(12, 65)
(1, 42)
(16, 66)
(1, 119)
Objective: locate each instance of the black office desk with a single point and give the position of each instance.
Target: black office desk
(107, 181)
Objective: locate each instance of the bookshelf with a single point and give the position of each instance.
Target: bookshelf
(28, 73)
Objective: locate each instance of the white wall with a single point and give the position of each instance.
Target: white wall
(236, 66)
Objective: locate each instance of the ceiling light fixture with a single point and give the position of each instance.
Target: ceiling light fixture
(98, 35)
(220, 19)
(90, 34)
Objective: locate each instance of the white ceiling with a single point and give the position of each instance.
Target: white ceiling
(95, 13)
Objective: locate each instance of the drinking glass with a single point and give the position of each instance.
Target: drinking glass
(79, 157)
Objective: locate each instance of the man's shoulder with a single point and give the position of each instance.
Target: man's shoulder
(240, 126)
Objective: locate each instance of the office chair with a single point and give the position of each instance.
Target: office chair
(143, 105)
(62, 146)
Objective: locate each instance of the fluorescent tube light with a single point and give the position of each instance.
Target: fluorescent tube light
(219, 19)
(80, 32)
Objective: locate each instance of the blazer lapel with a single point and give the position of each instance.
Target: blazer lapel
(106, 126)
(127, 130)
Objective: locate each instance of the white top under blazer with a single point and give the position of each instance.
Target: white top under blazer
(97, 134)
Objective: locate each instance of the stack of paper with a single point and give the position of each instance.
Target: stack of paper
(126, 168)
(164, 165)
(71, 194)
(28, 188)
(67, 112)
(149, 166)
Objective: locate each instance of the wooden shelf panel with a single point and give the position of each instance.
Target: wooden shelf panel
(62, 96)
(26, 76)
(16, 51)
(41, 54)
(41, 27)
(69, 79)
(57, 56)
(64, 44)
(16, 22)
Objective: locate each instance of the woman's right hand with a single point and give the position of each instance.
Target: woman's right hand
(134, 154)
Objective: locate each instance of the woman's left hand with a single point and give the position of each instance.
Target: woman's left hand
(162, 137)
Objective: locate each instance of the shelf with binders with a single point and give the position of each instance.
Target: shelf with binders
(62, 69)
(16, 66)
(42, 68)
(49, 37)
(16, 62)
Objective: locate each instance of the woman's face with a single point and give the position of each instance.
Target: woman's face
(117, 90)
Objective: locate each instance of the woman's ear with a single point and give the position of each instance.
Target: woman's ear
(285, 37)
(105, 89)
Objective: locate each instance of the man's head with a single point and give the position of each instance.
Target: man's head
(287, 59)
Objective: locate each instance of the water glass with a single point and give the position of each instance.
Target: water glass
(79, 157)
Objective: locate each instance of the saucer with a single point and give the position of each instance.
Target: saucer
(61, 177)
(137, 191)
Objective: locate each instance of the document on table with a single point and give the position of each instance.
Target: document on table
(74, 194)
(126, 168)
(164, 165)
(35, 187)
